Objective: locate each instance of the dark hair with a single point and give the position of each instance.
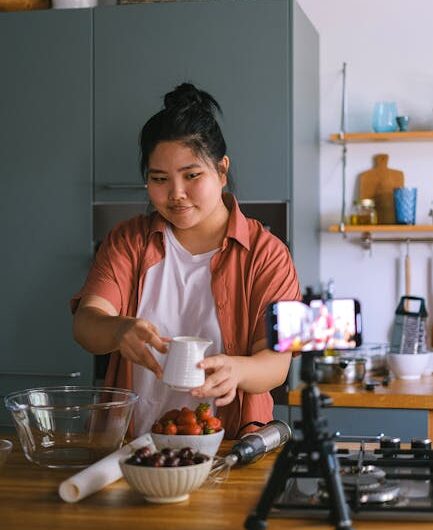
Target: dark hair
(188, 116)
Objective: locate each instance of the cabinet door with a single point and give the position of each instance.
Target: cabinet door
(237, 51)
(45, 201)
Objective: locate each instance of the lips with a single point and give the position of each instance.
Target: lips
(180, 209)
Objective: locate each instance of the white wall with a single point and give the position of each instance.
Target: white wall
(388, 47)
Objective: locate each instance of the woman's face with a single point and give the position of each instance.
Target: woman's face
(184, 188)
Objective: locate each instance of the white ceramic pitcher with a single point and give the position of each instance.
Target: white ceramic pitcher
(181, 371)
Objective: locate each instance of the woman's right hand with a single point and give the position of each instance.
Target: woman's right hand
(134, 336)
(100, 329)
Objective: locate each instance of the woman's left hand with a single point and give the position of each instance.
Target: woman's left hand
(222, 379)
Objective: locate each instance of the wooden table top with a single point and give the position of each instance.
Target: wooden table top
(29, 500)
(399, 394)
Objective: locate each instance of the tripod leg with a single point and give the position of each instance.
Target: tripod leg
(275, 485)
(337, 499)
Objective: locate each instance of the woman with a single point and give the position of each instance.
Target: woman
(196, 266)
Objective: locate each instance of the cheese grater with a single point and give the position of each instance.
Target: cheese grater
(409, 329)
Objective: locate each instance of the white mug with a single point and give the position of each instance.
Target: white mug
(181, 371)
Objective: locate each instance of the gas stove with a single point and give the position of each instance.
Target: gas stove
(381, 481)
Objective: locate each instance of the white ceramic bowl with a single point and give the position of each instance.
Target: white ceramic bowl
(428, 370)
(207, 444)
(408, 365)
(166, 484)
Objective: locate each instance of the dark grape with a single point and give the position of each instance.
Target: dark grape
(173, 461)
(186, 452)
(168, 452)
(167, 457)
(144, 452)
(134, 459)
(156, 460)
(186, 462)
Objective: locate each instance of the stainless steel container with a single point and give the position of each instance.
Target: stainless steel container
(338, 369)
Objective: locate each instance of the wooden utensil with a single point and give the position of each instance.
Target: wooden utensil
(407, 271)
(378, 184)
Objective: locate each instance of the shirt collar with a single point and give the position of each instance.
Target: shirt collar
(237, 225)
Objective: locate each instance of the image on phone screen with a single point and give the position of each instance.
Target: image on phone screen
(321, 325)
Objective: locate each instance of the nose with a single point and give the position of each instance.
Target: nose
(177, 191)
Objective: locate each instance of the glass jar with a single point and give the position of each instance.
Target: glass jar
(363, 213)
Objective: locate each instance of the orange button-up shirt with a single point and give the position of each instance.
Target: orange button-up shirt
(252, 269)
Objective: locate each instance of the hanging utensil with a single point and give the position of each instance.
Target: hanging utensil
(407, 275)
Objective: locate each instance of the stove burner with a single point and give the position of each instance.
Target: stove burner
(368, 483)
(367, 489)
(386, 493)
(364, 475)
(361, 482)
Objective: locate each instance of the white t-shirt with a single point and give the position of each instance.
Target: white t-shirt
(177, 299)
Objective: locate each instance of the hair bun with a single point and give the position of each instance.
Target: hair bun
(186, 96)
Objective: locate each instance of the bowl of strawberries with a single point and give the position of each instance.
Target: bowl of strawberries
(198, 429)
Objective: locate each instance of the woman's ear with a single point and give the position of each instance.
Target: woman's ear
(223, 169)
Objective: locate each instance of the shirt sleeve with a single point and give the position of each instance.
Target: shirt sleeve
(112, 273)
(275, 279)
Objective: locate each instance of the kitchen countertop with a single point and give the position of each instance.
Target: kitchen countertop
(399, 394)
(29, 499)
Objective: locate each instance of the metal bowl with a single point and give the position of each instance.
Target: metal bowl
(70, 426)
(338, 369)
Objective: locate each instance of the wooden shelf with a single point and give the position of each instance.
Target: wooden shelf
(381, 228)
(404, 136)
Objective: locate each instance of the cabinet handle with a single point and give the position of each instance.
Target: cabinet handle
(41, 374)
(124, 186)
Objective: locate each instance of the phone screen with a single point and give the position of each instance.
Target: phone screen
(331, 324)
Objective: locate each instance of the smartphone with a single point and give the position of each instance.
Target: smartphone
(332, 324)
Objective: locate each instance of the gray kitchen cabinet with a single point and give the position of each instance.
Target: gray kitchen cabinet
(46, 194)
(258, 58)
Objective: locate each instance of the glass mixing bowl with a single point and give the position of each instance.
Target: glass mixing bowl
(5, 449)
(70, 426)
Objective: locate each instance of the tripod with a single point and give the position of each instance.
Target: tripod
(319, 448)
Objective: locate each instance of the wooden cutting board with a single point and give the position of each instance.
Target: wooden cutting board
(378, 184)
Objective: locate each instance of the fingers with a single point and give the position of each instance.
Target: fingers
(221, 381)
(135, 341)
(141, 355)
(149, 334)
(225, 400)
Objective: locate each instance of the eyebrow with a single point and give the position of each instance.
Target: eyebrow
(183, 168)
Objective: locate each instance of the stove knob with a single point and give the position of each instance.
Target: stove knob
(390, 443)
(417, 443)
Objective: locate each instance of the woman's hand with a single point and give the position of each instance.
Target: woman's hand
(222, 379)
(100, 329)
(134, 335)
(256, 373)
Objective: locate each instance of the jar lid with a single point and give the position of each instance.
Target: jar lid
(368, 203)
